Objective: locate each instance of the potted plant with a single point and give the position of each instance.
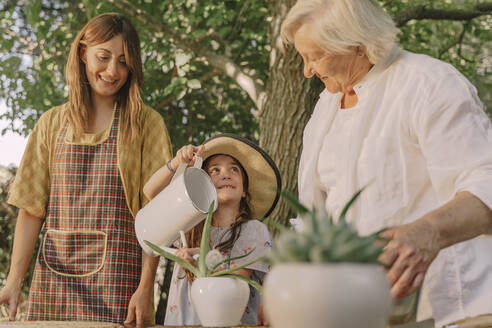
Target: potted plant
(219, 296)
(326, 275)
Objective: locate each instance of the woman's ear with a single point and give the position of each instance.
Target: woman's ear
(83, 54)
(361, 50)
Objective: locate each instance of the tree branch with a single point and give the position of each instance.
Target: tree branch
(453, 43)
(237, 19)
(248, 83)
(460, 42)
(423, 12)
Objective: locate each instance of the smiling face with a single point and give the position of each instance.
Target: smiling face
(106, 67)
(335, 71)
(227, 178)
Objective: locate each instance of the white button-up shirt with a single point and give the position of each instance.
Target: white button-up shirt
(422, 136)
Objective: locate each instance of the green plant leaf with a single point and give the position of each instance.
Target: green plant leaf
(232, 259)
(174, 258)
(279, 226)
(294, 203)
(204, 245)
(349, 204)
(314, 222)
(231, 270)
(194, 84)
(253, 283)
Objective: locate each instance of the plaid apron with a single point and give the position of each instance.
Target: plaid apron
(89, 261)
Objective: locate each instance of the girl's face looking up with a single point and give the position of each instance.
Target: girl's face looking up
(106, 67)
(227, 178)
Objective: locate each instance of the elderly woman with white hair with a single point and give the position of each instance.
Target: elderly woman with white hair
(410, 129)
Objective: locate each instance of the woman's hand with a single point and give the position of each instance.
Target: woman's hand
(139, 308)
(187, 254)
(186, 154)
(9, 295)
(408, 255)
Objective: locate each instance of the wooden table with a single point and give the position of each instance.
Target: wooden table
(80, 324)
(483, 321)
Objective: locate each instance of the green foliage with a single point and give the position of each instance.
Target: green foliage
(203, 269)
(8, 215)
(465, 44)
(195, 99)
(324, 240)
(7, 221)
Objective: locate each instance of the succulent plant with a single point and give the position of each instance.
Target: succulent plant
(324, 240)
(209, 261)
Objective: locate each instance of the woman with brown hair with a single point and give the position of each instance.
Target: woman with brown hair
(82, 175)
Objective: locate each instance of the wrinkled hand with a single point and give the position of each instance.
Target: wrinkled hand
(186, 154)
(139, 308)
(408, 255)
(187, 254)
(9, 295)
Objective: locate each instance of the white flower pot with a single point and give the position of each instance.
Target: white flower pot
(341, 295)
(219, 301)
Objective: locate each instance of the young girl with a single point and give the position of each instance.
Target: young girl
(246, 180)
(82, 175)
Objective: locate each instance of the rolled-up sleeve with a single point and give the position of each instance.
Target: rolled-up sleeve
(455, 136)
(30, 190)
(156, 148)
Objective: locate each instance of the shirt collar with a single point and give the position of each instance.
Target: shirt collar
(380, 67)
(373, 73)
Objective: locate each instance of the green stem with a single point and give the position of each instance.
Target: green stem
(175, 258)
(231, 259)
(204, 245)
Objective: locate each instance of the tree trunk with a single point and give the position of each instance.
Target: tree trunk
(288, 106)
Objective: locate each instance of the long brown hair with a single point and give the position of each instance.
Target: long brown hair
(194, 236)
(98, 30)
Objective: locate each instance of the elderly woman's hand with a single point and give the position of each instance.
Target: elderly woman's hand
(410, 251)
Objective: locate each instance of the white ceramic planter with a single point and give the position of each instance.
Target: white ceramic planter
(327, 296)
(219, 301)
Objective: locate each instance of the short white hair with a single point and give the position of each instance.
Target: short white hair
(340, 24)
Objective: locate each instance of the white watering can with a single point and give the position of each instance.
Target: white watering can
(180, 206)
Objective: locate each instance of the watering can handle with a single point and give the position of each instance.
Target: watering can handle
(182, 167)
(198, 162)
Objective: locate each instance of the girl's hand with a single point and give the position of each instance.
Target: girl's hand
(186, 155)
(162, 177)
(187, 254)
(262, 319)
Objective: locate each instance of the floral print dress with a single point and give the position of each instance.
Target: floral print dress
(254, 235)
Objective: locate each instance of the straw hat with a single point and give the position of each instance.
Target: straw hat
(264, 182)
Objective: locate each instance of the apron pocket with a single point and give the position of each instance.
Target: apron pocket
(74, 253)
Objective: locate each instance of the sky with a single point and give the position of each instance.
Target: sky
(12, 145)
